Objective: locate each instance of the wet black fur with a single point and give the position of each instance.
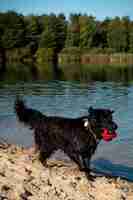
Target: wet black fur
(78, 137)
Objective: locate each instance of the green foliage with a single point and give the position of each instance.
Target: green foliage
(100, 35)
(80, 34)
(33, 31)
(12, 30)
(131, 38)
(18, 55)
(12, 38)
(48, 40)
(71, 50)
(44, 55)
(54, 32)
(117, 35)
(73, 31)
(33, 25)
(70, 55)
(87, 30)
(61, 31)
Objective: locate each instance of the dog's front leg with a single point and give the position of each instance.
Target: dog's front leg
(86, 165)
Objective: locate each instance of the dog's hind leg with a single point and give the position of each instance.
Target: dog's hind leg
(44, 155)
(43, 145)
(76, 157)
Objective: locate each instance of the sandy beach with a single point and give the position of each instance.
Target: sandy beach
(23, 177)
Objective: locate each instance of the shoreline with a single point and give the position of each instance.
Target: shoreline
(23, 177)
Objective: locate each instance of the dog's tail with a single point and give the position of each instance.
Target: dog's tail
(27, 115)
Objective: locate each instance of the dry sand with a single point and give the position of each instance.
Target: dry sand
(23, 177)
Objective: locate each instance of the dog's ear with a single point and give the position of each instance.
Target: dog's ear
(112, 111)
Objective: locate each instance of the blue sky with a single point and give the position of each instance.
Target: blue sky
(98, 8)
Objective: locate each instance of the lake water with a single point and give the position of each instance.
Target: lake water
(72, 99)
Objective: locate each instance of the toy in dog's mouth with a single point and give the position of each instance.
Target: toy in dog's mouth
(107, 135)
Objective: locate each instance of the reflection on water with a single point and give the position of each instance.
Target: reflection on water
(72, 99)
(68, 72)
(97, 72)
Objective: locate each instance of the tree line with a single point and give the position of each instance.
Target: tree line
(57, 33)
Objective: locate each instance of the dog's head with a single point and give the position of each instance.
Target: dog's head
(102, 124)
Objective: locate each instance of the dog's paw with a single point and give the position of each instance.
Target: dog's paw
(90, 177)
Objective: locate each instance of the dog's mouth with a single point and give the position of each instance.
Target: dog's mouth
(108, 135)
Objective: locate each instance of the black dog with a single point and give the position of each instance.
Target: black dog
(78, 138)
